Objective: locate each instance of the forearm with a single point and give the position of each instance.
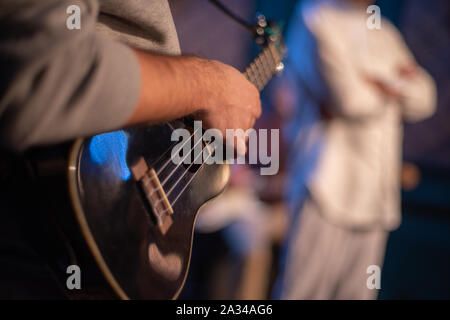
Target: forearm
(412, 88)
(172, 87)
(59, 84)
(418, 96)
(346, 91)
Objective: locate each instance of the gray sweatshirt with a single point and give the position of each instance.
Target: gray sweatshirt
(58, 84)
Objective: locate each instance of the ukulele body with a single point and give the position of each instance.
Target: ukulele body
(111, 226)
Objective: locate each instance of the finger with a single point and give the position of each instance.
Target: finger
(252, 122)
(258, 110)
(240, 146)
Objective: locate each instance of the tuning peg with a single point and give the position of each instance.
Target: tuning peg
(261, 20)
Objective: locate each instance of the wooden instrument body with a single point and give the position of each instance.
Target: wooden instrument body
(115, 226)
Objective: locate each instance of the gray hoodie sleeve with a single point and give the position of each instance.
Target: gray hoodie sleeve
(57, 84)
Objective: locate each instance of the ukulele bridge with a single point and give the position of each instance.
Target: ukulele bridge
(154, 194)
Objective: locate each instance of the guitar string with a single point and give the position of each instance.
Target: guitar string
(182, 160)
(190, 180)
(168, 161)
(188, 183)
(186, 171)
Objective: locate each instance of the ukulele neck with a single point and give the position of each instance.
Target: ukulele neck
(264, 67)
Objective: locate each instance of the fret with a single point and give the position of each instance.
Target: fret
(270, 61)
(250, 76)
(257, 82)
(268, 69)
(261, 75)
(265, 66)
(253, 71)
(261, 71)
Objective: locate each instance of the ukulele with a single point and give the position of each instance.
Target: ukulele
(129, 213)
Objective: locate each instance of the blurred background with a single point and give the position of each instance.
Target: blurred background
(238, 240)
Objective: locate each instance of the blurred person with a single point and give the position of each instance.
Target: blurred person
(354, 87)
(122, 67)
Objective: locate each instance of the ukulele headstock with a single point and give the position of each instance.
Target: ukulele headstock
(268, 32)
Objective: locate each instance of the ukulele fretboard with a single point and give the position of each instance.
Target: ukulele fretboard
(263, 67)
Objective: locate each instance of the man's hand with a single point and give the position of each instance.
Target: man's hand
(384, 88)
(232, 102)
(217, 94)
(404, 72)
